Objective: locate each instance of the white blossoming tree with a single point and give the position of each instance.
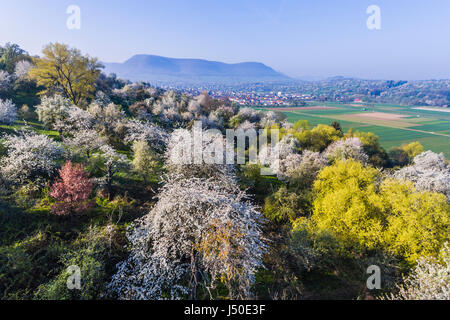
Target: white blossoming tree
(112, 162)
(5, 81)
(197, 234)
(53, 109)
(346, 149)
(8, 111)
(155, 136)
(283, 155)
(22, 68)
(302, 171)
(204, 159)
(430, 280)
(29, 156)
(77, 120)
(85, 141)
(110, 121)
(428, 172)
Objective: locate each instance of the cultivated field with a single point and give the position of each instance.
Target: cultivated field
(394, 124)
(301, 108)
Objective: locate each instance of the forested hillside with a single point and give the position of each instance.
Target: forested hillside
(90, 178)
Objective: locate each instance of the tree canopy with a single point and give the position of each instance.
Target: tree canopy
(65, 69)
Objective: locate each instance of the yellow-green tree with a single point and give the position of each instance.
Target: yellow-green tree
(418, 223)
(318, 138)
(356, 209)
(145, 160)
(347, 204)
(65, 69)
(412, 149)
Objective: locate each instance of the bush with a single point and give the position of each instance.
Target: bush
(95, 253)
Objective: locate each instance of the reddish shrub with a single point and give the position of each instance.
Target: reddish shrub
(71, 190)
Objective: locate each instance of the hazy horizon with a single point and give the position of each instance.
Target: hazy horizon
(297, 38)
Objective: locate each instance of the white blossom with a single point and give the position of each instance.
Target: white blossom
(8, 111)
(53, 109)
(203, 158)
(87, 141)
(22, 68)
(246, 125)
(429, 172)
(350, 148)
(430, 280)
(137, 130)
(277, 156)
(102, 98)
(76, 120)
(303, 170)
(5, 81)
(250, 114)
(29, 156)
(170, 253)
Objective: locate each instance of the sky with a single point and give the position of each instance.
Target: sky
(313, 39)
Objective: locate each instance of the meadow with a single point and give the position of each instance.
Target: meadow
(394, 124)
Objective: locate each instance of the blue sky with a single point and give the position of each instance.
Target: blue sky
(299, 38)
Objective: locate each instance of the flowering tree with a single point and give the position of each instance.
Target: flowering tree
(146, 131)
(86, 141)
(428, 172)
(145, 160)
(29, 156)
(197, 234)
(76, 120)
(109, 121)
(303, 171)
(53, 109)
(5, 81)
(22, 68)
(71, 190)
(203, 159)
(283, 155)
(112, 163)
(8, 112)
(428, 281)
(346, 149)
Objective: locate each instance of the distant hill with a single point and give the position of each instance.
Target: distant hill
(161, 69)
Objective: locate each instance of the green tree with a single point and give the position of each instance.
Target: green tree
(318, 138)
(145, 160)
(335, 124)
(347, 204)
(301, 125)
(66, 69)
(403, 155)
(371, 145)
(418, 223)
(413, 149)
(353, 207)
(10, 54)
(283, 206)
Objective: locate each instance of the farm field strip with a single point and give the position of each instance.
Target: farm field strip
(431, 129)
(381, 123)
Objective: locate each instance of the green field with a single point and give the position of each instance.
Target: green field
(394, 124)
